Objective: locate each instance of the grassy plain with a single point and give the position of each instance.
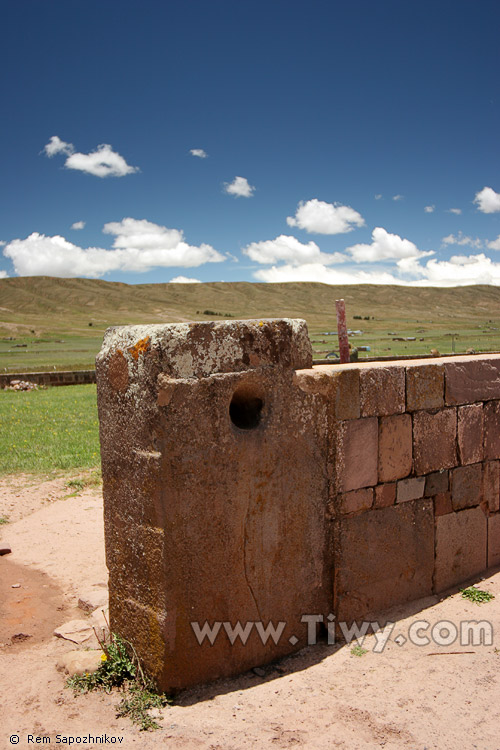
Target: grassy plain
(49, 430)
(49, 323)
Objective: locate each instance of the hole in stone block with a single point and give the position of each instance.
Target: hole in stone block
(245, 408)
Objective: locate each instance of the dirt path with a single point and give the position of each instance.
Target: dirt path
(407, 696)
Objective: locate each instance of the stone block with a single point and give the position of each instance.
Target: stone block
(394, 447)
(434, 440)
(356, 500)
(385, 495)
(492, 430)
(442, 504)
(340, 387)
(468, 380)
(382, 391)
(466, 484)
(494, 540)
(460, 547)
(384, 557)
(424, 387)
(491, 485)
(357, 453)
(436, 483)
(470, 433)
(410, 489)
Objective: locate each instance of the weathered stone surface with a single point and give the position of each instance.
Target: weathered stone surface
(466, 484)
(491, 485)
(385, 495)
(356, 500)
(460, 547)
(410, 489)
(94, 598)
(436, 483)
(394, 447)
(424, 387)
(434, 440)
(470, 433)
(339, 386)
(383, 557)
(470, 379)
(494, 540)
(382, 391)
(492, 430)
(215, 479)
(77, 631)
(442, 504)
(357, 453)
(80, 662)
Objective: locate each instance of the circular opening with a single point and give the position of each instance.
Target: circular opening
(245, 409)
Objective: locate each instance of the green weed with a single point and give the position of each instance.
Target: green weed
(4, 519)
(121, 668)
(358, 651)
(476, 595)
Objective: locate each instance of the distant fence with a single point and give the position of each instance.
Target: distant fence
(68, 377)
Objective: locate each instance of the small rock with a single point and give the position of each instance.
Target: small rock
(77, 631)
(16, 586)
(259, 671)
(5, 549)
(80, 662)
(93, 599)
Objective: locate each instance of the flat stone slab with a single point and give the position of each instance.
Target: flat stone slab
(460, 547)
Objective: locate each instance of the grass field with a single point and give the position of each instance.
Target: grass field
(49, 430)
(48, 323)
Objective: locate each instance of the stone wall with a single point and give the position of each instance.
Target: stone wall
(61, 377)
(243, 485)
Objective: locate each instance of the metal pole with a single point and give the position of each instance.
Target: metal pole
(342, 331)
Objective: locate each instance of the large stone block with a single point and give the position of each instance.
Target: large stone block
(215, 482)
(382, 391)
(394, 447)
(383, 557)
(434, 440)
(466, 484)
(424, 387)
(460, 547)
(492, 430)
(470, 379)
(340, 386)
(491, 486)
(357, 453)
(470, 433)
(494, 540)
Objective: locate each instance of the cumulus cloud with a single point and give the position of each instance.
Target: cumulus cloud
(78, 225)
(487, 201)
(385, 246)
(456, 211)
(429, 209)
(325, 218)
(290, 250)
(397, 197)
(239, 187)
(103, 162)
(139, 245)
(184, 280)
(494, 244)
(199, 152)
(462, 239)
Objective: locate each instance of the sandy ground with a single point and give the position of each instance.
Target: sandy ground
(408, 696)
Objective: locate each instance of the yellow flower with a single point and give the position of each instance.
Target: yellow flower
(104, 657)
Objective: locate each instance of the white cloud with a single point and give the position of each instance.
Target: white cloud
(239, 187)
(78, 225)
(290, 250)
(487, 201)
(3, 275)
(57, 146)
(461, 270)
(456, 211)
(385, 246)
(494, 244)
(462, 239)
(184, 280)
(325, 218)
(429, 209)
(103, 162)
(139, 245)
(199, 152)
(378, 196)
(2, 243)
(323, 274)
(397, 197)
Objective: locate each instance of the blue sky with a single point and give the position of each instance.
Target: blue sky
(266, 141)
